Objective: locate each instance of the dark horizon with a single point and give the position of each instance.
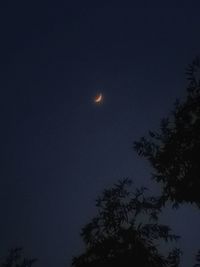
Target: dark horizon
(58, 149)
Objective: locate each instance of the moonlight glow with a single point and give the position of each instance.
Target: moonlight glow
(98, 98)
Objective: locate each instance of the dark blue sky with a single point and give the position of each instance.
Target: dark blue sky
(59, 150)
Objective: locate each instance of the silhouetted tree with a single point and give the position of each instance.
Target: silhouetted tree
(125, 232)
(173, 150)
(197, 259)
(15, 258)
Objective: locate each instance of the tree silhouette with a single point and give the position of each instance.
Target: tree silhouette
(197, 259)
(126, 232)
(173, 150)
(15, 258)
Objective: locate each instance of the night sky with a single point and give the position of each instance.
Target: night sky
(58, 149)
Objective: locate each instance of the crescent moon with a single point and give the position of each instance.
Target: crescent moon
(98, 98)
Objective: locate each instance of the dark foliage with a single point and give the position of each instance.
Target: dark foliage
(197, 259)
(125, 232)
(173, 150)
(15, 258)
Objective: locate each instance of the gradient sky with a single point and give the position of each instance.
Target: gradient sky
(59, 150)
